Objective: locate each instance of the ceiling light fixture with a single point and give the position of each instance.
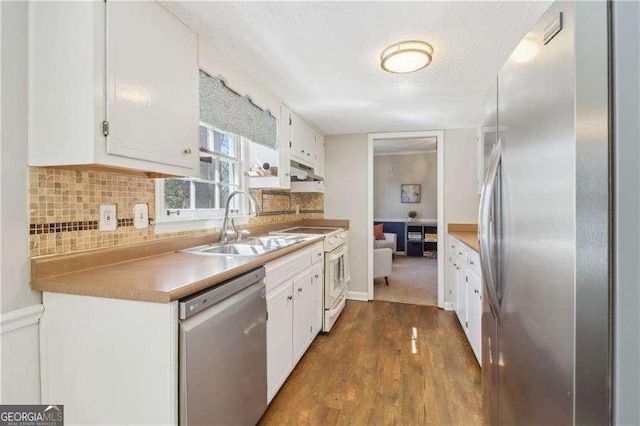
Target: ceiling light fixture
(406, 57)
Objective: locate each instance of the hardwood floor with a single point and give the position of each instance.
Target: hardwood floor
(384, 363)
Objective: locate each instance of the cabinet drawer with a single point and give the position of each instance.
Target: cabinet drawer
(473, 263)
(317, 253)
(286, 267)
(461, 254)
(453, 246)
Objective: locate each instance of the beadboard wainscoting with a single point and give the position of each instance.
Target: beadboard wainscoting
(20, 343)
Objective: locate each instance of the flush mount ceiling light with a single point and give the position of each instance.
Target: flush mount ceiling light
(406, 57)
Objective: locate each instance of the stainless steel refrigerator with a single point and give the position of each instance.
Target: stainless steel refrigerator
(544, 226)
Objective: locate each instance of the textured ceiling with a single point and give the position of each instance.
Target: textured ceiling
(322, 58)
(404, 145)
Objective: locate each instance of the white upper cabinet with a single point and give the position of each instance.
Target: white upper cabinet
(152, 84)
(306, 144)
(319, 168)
(113, 84)
(309, 151)
(297, 137)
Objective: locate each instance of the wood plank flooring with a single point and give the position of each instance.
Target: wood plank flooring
(384, 363)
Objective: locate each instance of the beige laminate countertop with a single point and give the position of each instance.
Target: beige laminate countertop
(469, 238)
(161, 278)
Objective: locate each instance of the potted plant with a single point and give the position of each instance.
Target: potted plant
(412, 215)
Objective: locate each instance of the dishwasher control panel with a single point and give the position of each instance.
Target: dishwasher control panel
(193, 304)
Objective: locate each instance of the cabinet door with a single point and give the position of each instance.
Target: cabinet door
(309, 145)
(317, 304)
(279, 338)
(451, 274)
(319, 167)
(284, 153)
(296, 135)
(474, 315)
(461, 294)
(301, 316)
(152, 85)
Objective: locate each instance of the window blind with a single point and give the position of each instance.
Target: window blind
(226, 110)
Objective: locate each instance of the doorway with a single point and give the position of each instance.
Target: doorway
(416, 272)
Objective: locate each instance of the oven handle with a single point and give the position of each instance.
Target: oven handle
(337, 254)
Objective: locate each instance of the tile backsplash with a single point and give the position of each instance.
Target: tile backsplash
(64, 209)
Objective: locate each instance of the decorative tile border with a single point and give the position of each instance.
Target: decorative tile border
(87, 225)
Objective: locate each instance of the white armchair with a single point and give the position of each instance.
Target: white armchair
(390, 241)
(382, 263)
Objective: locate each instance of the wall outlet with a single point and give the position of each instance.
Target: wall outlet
(108, 218)
(141, 216)
(297, 208)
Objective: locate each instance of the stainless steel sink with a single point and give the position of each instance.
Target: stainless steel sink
(248, 248)
(272, 241)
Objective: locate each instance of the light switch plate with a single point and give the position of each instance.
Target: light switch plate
(108, 218)
(141, 216)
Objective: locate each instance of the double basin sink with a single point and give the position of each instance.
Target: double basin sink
(247, 248)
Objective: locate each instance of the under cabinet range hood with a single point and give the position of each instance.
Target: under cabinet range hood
(302, 173)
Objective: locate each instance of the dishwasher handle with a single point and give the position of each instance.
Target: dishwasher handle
(193, 304)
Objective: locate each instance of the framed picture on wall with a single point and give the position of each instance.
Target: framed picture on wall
(410, 192)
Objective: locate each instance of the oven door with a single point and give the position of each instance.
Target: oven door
(334, 280)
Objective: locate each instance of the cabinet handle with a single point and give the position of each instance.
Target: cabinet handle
(308, 153)
(299, 289)
(471, 262)
(476, 291)
(187, 151)
(289, 297)
(302, 150)
(287, 174)
(459, 252)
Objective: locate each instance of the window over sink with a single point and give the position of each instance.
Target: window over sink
(198, 202)
(230, 126)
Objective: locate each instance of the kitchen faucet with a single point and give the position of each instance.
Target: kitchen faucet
(225, 232)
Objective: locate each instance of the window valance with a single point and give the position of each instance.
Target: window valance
(223, 108)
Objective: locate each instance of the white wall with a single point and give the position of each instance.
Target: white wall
(461, 199)
(391, 171)
(20, 307)
(346, 191)
(460, 176)
(346, 196)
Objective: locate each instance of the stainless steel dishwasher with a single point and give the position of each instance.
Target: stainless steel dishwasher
(223, 353)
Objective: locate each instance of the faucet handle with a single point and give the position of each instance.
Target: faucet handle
(241, 233)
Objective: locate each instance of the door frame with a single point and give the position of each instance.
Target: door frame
(439, 135)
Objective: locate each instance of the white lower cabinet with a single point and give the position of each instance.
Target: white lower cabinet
(295, 308)
(461, 293)
(301, 315)
(467, 285)
(317, 295)
(474, 314)
(279, 336)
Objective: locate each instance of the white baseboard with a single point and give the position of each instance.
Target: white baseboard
(362, 296)
(448, 306)
(400, 253)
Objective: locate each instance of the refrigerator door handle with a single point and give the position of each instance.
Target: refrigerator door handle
(484, 231)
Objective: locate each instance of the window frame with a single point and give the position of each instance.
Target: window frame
(174, 220)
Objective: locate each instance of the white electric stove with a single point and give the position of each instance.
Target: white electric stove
(336, 268)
